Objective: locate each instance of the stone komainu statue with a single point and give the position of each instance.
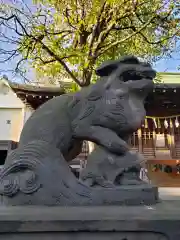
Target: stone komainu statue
(105, 113)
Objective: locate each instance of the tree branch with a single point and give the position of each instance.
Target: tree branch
(53, 60)
(52, 54)
(15, 19)
(58, 33)
(45, 61)
(160, 41)
(12, 55)
(46, 48)
(66, 14)
(94, 32)
(128, 37)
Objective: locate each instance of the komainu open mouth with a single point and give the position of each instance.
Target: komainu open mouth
(141, 73)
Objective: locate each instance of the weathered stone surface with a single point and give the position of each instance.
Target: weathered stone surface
(50, 182)
(124, 195)
(160, 222)
(106, 113)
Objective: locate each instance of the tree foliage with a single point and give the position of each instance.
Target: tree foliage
(69, 38)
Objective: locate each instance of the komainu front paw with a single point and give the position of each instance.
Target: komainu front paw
(88, 182)
(117, 148)
(100, 181)
(106, 184)
(97, 181)
(130, 178)
(125, 181)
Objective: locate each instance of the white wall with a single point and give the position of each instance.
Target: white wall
(11, 113)
(11, 123)
(8, 98)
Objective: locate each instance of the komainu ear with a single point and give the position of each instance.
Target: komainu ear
(106, 68)
(129, 60)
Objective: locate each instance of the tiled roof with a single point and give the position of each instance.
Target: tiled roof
(170, 78)
(28, 88)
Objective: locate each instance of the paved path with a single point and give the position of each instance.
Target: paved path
(169, 193)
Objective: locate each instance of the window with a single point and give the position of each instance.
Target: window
(8, 121)
(3, 155)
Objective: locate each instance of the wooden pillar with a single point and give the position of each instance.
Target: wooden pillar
(172, 143)
(91, 146)
(154, 142)
(139, 132)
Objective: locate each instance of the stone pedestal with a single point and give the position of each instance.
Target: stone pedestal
(158, 222)
(120, 196)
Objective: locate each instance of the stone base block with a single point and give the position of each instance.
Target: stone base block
(158, 222)
(129, 195)
(123, 195)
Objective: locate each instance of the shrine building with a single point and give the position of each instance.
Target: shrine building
(157, 139)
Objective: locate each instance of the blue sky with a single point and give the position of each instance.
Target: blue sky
(169, 65)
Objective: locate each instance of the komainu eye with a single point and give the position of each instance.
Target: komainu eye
(94, 97)
(121, 97)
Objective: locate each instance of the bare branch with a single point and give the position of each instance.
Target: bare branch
(12, 55)
(39, 40)
(19, 63)
(16, 19)
(8, 39)
(23, 76)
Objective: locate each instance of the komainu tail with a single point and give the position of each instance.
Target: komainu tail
(38, 174)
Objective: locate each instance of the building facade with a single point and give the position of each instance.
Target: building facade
(12, 116)
(17, 103)
(157, 139)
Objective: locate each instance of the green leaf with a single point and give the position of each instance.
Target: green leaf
(79, 35)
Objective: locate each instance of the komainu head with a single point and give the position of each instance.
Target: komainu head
(117, 103)
(125, 69)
